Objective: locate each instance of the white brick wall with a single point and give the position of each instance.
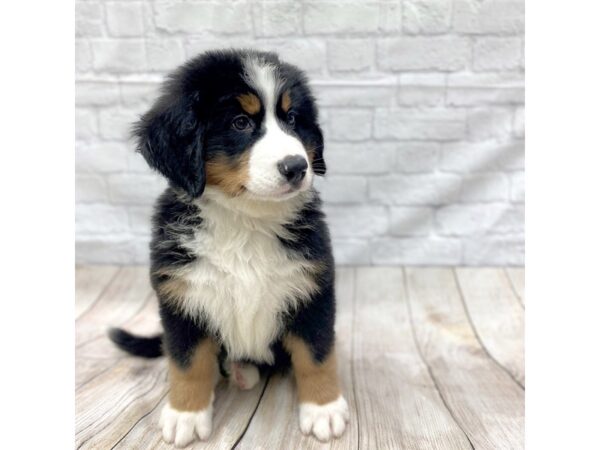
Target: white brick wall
(422, 107)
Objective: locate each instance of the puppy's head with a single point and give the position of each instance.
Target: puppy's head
(242, 121)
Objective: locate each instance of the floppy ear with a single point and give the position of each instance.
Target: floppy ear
(319, 166)
(170, 138)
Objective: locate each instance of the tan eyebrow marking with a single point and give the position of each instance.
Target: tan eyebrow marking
(286, 101)
(250, 103)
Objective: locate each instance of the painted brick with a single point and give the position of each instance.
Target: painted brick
(88, 19)
(86, 124)
(359, 158)
(93, 93)
(485, 187)
(484, 89)
(517, 187)
(125, 19)
(309, 54)
(427, 16)
(140, 219)
(356, 220)
(416, 251)
(355, 55)
(119, 55)
(494, 250)
(482, 156)
(277, 18)
(492, 53)
(390, 17)
(489, 123)
(101, 157)
(116, 123)
(423, 53)
(422, 90)
(137, 163)
(194, 45)
(416, 189)
(471, 220)
(421, 108)
(411, 221)
(342, 189)
(89, 189)
(350, 125)
(138, 95)
(164, 54)
(83, 56)
(196, 17)
(331, 95)
(349, 252)
(135, 189)
(114, 219)
(339, 17)
(481, 17)
(417, 156)
(519, 122)
(141, 250)
(419, 124)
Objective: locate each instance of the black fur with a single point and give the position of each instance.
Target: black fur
(189, 125)
(146, 347)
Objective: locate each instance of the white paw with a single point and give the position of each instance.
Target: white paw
(182, 427)
(245, 376)
(324, 421)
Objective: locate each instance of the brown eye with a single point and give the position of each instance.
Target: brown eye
(241, 123)
(291, 119)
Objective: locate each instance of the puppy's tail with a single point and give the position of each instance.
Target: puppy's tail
(146, 347)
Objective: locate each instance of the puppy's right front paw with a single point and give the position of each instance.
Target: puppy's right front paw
(181, 427)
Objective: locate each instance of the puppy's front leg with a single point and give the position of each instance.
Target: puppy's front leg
(189, 411)
(323, 409)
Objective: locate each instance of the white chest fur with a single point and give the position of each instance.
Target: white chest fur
(244, 279)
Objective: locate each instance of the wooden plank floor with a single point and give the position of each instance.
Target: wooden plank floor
(430, 358)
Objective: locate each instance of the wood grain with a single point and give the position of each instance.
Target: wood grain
(485, 401)
(279, 406)
(516, 275)
(100, 354)
(496, 315)
(90, 282)
(122, 299)
(232, 412)
(445, 392)
(399, 405)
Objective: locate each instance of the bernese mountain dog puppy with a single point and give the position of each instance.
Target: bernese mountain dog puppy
(241, 258)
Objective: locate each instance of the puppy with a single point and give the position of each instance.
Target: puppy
(241, 258)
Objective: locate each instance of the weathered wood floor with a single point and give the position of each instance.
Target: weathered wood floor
(429, 359)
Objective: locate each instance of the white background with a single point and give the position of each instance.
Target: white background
(422, 106)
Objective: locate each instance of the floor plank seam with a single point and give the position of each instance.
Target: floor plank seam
(106, 369)
(133, 400)
(477, 336)
(123, 323)
(239, 439)
(352, 347)
(100, 295)
(422, 357)
(513, 288)
(137, 422)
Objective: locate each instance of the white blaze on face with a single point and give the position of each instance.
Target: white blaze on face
(265, 180)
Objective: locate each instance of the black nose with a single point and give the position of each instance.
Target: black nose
(293, 168)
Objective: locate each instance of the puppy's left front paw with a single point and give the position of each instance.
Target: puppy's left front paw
(182, 427)
(324, 421)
